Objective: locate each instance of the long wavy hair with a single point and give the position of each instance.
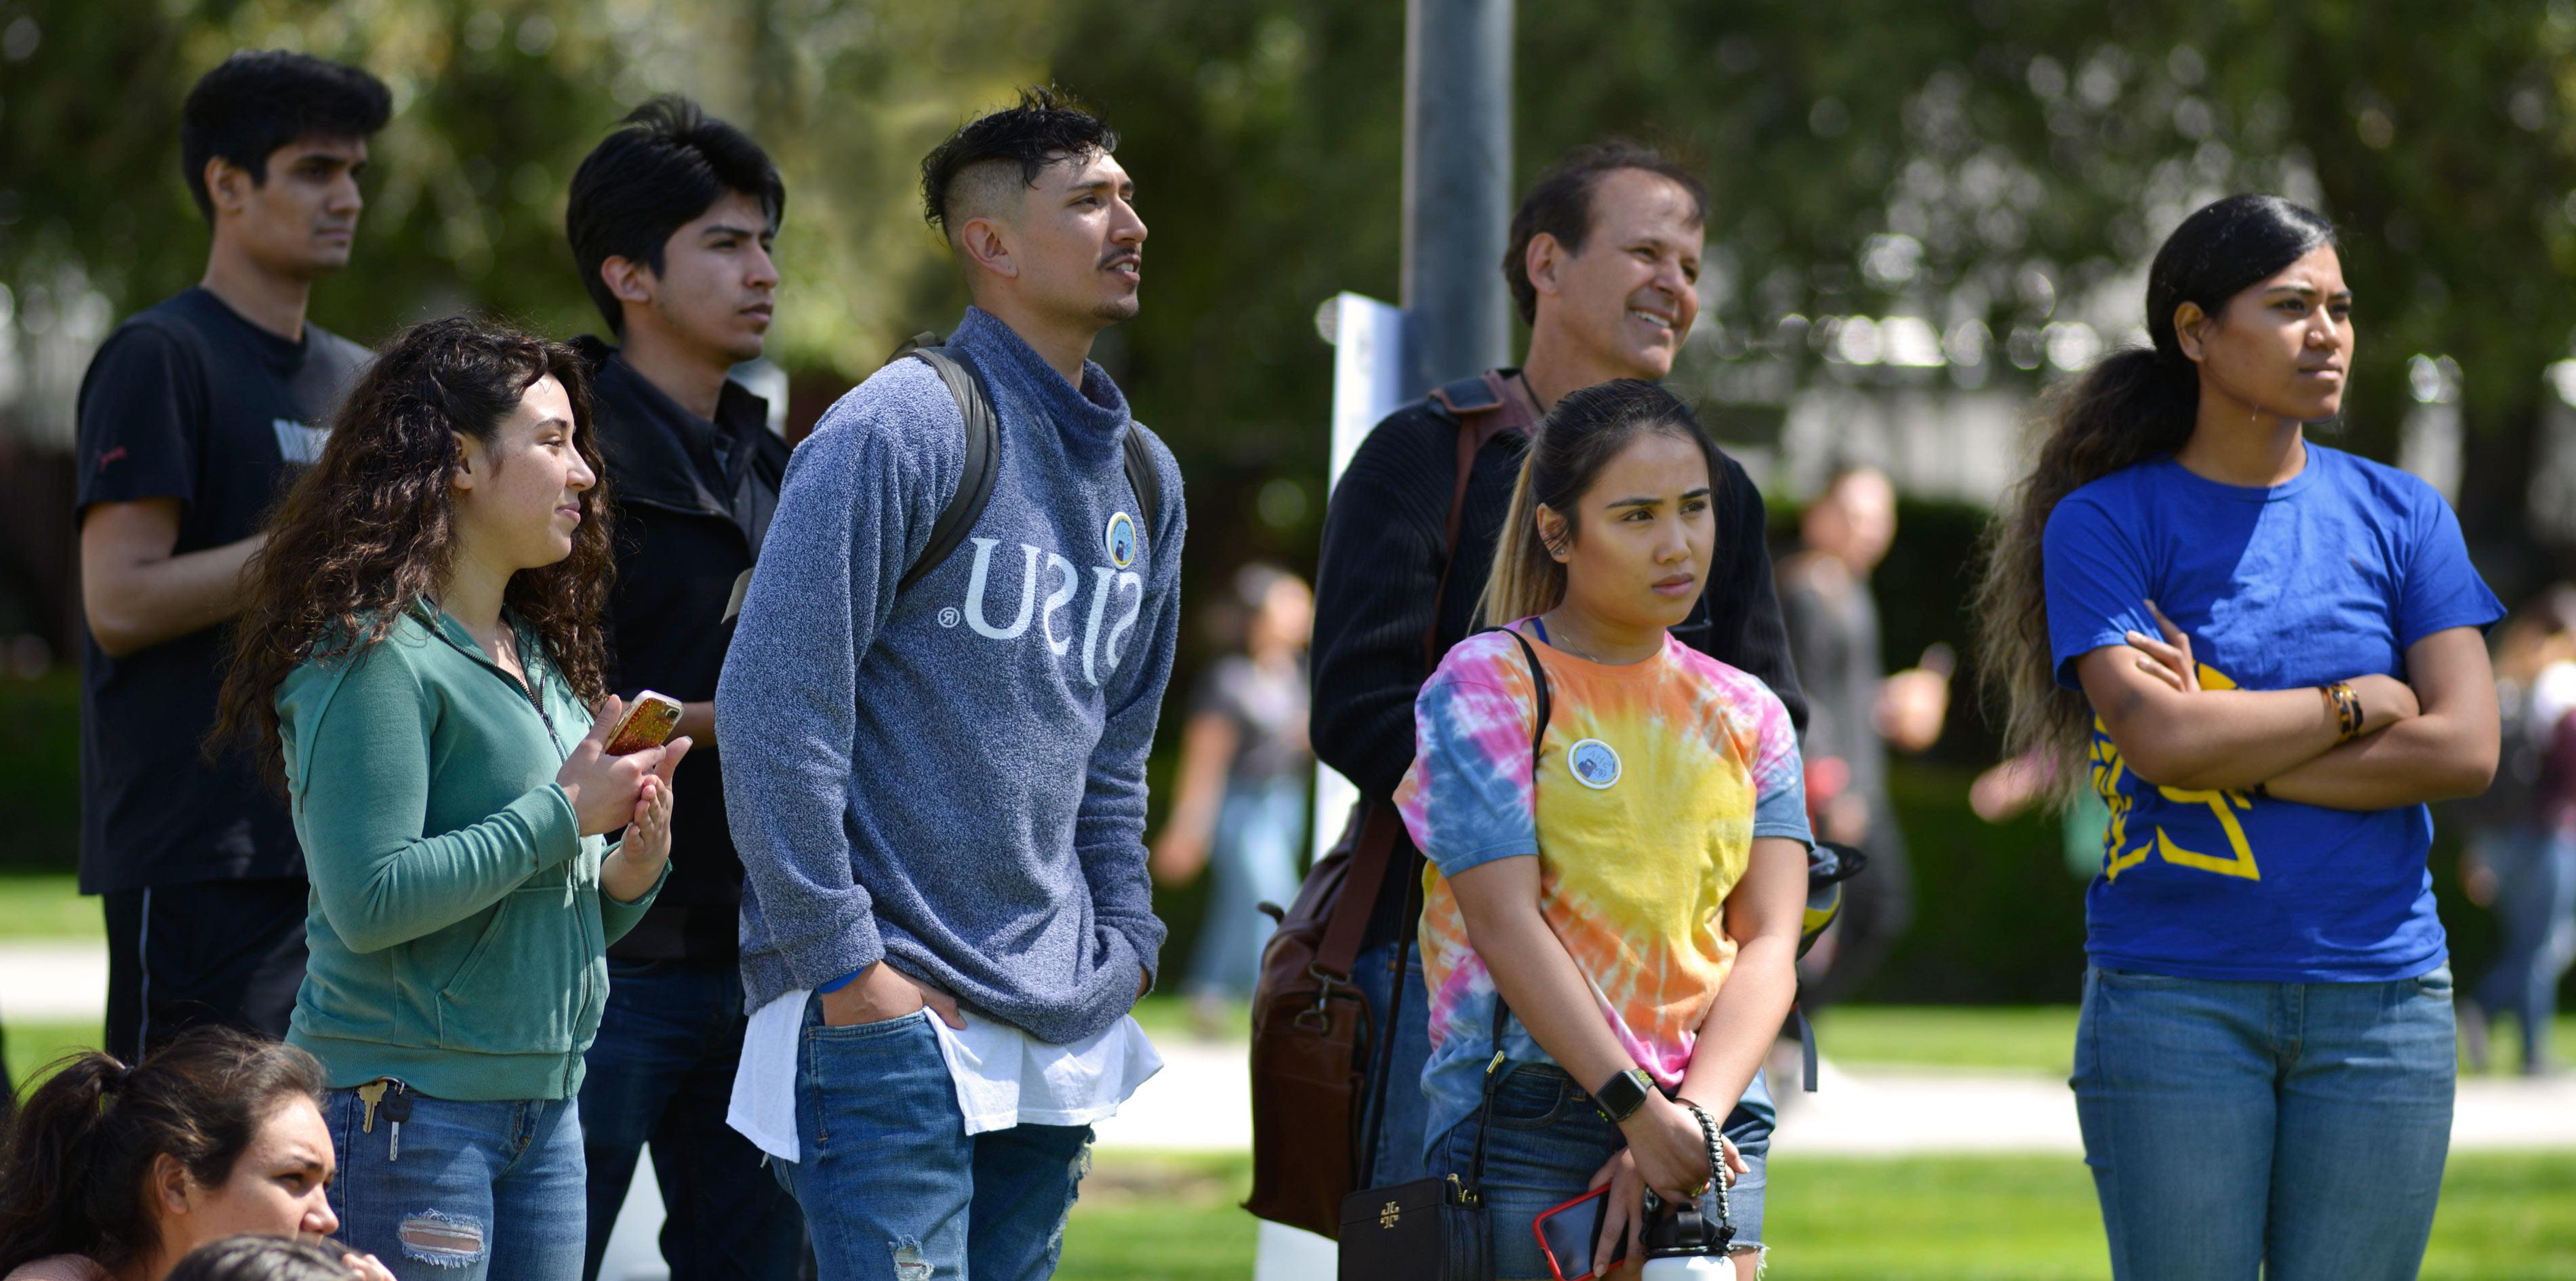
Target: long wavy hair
(371, 527)
(74, 1169)
(1566, 454)
(2136, 404)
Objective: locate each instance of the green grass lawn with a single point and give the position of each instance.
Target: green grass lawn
(2026, 1038)
(2503, 1217)
(45, 907)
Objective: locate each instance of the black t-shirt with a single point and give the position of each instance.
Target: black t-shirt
(693, 502)
(190, 401)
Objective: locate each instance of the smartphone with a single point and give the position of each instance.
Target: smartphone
(1569, 1233)
(648, 722)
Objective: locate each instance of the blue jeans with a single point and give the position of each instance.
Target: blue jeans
(2297, 1129)
(662, 1072)
(1399, 1124)
(894, 1189)
(1547, 1143)
(477, 1191)
(1253, 860)
(2536, 906)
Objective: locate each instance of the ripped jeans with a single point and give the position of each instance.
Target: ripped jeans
(893, 1187)
(476, 1191)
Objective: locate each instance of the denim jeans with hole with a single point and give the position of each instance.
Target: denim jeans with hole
(477, 1191)
(893, 1187)
(1547, 1143)
(2297, 1129)
(662, 1073)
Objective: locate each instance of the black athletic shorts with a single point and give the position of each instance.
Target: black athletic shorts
(204, 952)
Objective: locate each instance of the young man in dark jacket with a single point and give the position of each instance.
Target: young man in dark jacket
(193, 417)
(671, 218)
(1604, 263)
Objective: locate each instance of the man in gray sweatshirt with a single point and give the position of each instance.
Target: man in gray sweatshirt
(938, 789)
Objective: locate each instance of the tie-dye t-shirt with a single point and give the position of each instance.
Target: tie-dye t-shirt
(1653, 780)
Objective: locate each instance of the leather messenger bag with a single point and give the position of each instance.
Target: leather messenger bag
(1312, 1029)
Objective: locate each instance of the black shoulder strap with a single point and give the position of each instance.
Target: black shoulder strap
(975, 482)
(1142, 478)
(1538, 679)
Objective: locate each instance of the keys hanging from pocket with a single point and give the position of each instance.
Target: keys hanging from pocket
(371, 1094)
(397, 1110)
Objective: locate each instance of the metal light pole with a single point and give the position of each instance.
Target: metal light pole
(1457, 187)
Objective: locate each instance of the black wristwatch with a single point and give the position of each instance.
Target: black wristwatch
(1621, 1096)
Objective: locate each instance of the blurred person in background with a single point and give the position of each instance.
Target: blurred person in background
(2520, 856)
(1240, 802)
(671, 218)
(2005, 790)
(1603, 263)
(419, 663)
(192, 417)
(2204, 612)
(116, 1171)
(1855, 712)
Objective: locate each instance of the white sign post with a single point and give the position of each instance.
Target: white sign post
(1368, 368)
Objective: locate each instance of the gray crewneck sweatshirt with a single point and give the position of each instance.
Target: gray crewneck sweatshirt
(952, 778)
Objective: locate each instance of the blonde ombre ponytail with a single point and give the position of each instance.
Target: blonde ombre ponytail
(1566, 454)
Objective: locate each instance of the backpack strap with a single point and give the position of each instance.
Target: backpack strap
(1538, 680)
(983, 454)
(1484, 407)
(1142, 478)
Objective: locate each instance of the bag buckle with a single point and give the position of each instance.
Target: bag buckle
(1325, 981)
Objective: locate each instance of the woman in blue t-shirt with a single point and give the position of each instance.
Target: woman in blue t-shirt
(2266, 656)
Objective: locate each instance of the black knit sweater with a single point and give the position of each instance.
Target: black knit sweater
(1381, 573)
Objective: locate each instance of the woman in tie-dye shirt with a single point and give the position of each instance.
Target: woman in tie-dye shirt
(1637, 903)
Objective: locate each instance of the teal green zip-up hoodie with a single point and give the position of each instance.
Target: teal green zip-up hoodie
(457, 934)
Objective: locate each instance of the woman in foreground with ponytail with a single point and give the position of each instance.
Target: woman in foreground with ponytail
(1619, 855)
(2266, 656)
(115, 1173)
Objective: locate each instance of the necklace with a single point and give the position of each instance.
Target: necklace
(1553, 642)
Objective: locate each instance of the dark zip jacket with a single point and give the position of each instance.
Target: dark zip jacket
(1379, 585)
(693, 500)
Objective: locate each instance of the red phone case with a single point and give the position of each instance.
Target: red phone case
(1538, 1228)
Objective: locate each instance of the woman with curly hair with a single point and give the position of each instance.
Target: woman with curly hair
(113, 1173)
(2265, 655)
(418, 665)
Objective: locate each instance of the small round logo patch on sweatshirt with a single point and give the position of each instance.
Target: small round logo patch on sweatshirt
(1593, 764)
(1120, 540)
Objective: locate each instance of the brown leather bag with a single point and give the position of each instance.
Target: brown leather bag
(1311, 1028)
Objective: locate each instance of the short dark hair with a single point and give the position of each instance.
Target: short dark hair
(255, 102)
(1045, 126)
(258, 1258)
(658, 170)
(1560, 204)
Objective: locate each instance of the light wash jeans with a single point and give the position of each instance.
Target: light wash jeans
(893, 1187)
(477, 1192)
(2297, 1129)
(1548, 1140)
(1251, 861)
(2536, 906)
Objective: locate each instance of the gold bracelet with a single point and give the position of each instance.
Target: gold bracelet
(2345, 704)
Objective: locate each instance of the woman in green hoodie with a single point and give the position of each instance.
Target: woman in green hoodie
(417, 668)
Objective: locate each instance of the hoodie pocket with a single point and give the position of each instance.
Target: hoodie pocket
(521, 989)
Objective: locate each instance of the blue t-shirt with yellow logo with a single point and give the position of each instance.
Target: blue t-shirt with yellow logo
(2327, 577)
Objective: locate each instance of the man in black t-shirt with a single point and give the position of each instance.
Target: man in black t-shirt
(1604, 263)
(671, 219)
(192, 416)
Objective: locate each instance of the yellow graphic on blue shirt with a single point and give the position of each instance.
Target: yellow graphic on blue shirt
(2119, 854)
